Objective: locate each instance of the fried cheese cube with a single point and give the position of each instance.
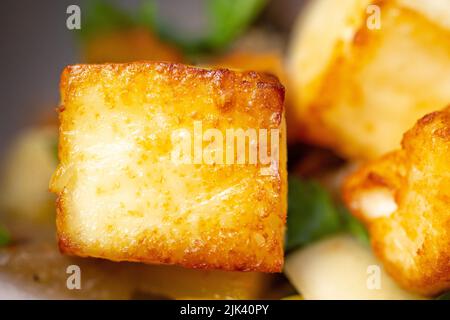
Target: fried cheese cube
(268, 62)
(123, 195)
(404, 198)
(364, 71)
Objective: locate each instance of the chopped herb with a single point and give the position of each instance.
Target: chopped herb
(102, 16)
(5, 238)
(444, 296)
(353, 225)
(227, 19)
(312, 215)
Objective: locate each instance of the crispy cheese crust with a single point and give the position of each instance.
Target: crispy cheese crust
(357, 88)
(404, 198)
(120, 195)
(269, 62)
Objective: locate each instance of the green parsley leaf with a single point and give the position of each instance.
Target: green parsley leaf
(312, 215)
(147, 15)
(352, 225)
(444, 296)
(5, 238)
(229, 18)
(100, 16)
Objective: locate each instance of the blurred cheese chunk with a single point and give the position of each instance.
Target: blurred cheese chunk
(38, 271)
(129, 45)
(357, 87)
(410, 223)
(341, 268)
(27, 167)
(122, 196)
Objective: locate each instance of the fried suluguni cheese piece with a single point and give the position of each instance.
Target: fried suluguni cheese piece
(129, 45)
(269, 62)
(404, 198)
(364, 71)
(27, 167)
(129, 187)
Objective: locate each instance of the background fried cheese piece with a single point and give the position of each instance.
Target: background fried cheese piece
(36, 270)
(358, 85)
(129, 45)
(122, 197)
(404, 198)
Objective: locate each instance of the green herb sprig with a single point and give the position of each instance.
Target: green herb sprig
(312, 215)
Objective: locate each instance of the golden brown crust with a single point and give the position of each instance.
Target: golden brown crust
(270, 62)
(414, 240)
(138, 205)
(129, 45)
